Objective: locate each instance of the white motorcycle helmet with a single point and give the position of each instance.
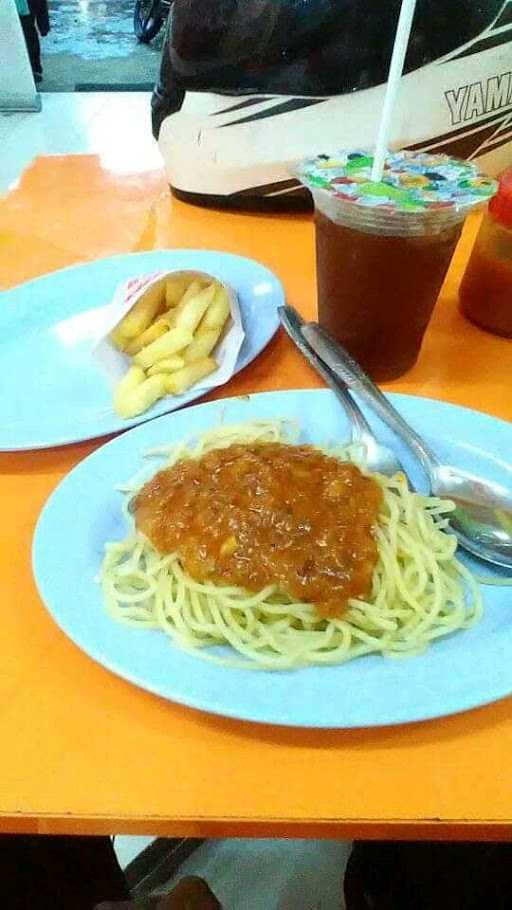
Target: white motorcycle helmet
(249, 87)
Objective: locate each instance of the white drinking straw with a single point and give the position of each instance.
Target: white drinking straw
(403, 31)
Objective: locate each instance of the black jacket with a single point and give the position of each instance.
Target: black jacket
(39, 9)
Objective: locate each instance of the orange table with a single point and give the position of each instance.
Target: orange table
(84, 751)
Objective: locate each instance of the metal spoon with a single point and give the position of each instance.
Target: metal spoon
(482, 519)
(378, 457)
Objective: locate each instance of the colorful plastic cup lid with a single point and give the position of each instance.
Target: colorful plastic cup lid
(412, 181)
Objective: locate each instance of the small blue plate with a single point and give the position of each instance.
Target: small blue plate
(52, 392)
(467, 669)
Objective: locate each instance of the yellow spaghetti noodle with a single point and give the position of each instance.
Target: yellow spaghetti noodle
(420, 591)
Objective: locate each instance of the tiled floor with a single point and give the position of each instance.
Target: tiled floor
(92, 29)
(262, 874)
(127, 848)
(272, 874)
(116, 126)
(93, 42)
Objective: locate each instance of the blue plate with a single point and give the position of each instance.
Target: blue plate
(467, 669)
(51, 390)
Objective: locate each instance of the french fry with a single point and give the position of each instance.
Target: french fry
(128, 383)
(176, 362)
(169, 334)
(143, 312)
(154, 331)
(202, 344)
(210, 328)
(195, 287)
(173, 341)
(191, 313)
(174, 290)
(178, 382)
(117, 338)
(138, 399)
(218, 311)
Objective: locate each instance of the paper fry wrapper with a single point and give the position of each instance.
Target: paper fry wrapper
(115, 363)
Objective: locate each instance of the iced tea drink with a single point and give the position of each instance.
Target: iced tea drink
(383, 249)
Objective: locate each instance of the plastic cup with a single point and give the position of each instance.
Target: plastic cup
(383, 249)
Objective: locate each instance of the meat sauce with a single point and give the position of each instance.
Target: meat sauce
(268, 513)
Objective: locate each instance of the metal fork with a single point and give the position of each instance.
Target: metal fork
(378, 457)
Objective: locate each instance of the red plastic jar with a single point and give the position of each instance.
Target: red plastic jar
(486, 290)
